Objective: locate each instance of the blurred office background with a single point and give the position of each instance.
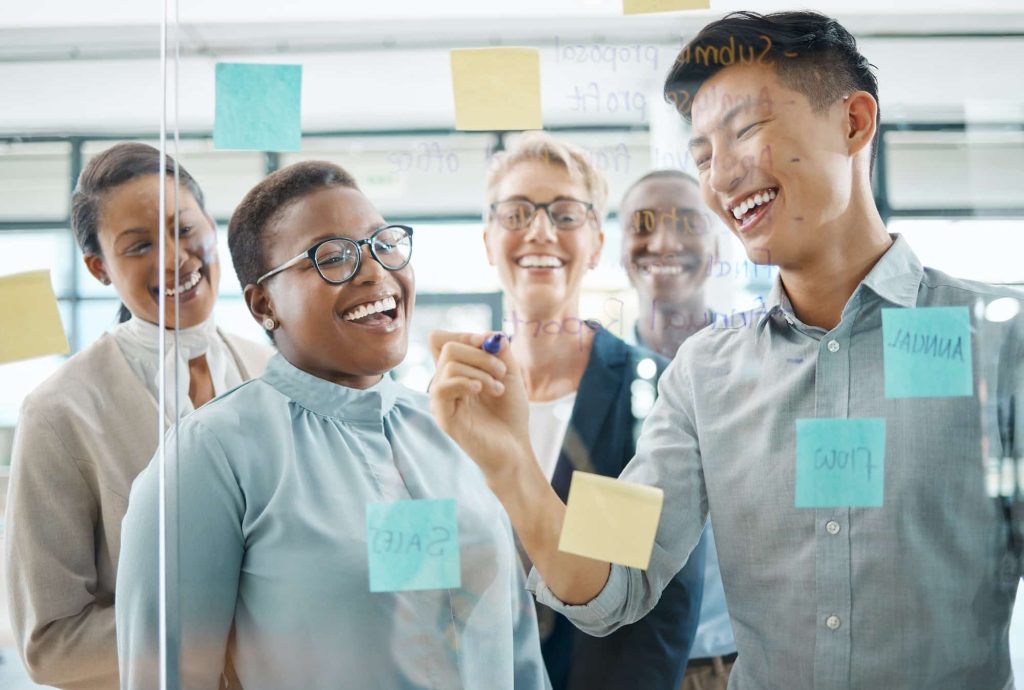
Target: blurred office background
(377, 98)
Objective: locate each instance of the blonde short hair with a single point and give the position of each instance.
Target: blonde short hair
(541, 146)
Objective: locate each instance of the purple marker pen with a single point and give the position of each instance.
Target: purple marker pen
(493, 343)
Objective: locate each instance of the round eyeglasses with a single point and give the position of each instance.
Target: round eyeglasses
(338, 259)
(564, 214)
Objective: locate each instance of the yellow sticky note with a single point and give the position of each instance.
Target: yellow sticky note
(611, 520)
(496, 88)
(29, 319)
(648, 6)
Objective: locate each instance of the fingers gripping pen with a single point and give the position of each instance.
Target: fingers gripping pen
(493, 343)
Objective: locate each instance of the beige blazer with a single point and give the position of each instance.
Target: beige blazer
(81, 439)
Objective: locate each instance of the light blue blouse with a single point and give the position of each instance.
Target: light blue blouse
(274, 479)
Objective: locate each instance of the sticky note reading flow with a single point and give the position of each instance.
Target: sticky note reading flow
(258, 107)
(413, 545)
(496, 88)
(30, 323)
(611, 520)
(840, 463)
(648, 6)
(927, 352)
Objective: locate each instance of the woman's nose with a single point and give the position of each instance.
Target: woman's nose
(370, 270)
(540, 228)
(169, 258)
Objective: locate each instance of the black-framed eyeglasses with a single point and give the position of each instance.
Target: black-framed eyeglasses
(338, 259)
(564, 214)
(685, 221)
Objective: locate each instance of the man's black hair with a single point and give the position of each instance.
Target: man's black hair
(811, 53)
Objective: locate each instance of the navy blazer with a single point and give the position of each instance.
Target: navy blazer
(650, 654)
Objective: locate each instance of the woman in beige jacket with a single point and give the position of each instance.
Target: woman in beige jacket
(89, 429)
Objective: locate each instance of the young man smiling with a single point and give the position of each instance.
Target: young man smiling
(912, 592)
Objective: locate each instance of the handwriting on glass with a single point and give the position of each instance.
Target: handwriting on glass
(855, 459)
(913, 343)
(389, 541)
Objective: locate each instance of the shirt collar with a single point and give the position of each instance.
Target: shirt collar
(322, 397)
(895, 277)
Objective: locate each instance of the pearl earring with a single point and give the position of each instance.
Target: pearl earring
(269, 324)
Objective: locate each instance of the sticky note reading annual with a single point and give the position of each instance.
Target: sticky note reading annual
(647, 6)
(611, 520)
(413, 545)
(30, 323)
(840, 463)
(496, 88)
(258, 107)
(927, 352)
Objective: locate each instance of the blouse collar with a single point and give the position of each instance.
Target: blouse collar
(329, 399)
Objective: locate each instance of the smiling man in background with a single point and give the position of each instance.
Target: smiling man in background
(667, 251)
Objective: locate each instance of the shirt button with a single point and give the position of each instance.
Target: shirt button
(833, 346)
(832, 622)
(832, 527)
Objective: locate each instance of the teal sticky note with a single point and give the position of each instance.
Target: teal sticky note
(927, 352)
(412, 545)
(840, 463)
(258, 107)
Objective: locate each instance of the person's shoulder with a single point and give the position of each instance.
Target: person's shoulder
(408, 396)
(243, 407)
(725, 331)
(645, 363)
(936, 280)
(416, 405)
(641, 352)
(253, 355)
(87, 376)
(608, 342)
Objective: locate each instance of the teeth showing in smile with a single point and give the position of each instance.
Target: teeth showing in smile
(190, 282)
(386, 304)
(668, 264)
(540, 261)
(755, 199)
(663, 269)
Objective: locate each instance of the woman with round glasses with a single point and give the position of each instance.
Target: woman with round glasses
(287, 569)
(585, 387)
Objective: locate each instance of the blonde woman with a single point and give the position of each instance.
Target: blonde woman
(545, 206)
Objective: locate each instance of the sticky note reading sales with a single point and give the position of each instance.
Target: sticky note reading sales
(648, 6)
(840, 463)
(30, 323)
(258, 107)
(927, 352)
(611, 520)
(496, 88)
(413, 545)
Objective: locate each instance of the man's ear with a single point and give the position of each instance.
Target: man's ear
(257, 298)
(96, 266)
(862, 119)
